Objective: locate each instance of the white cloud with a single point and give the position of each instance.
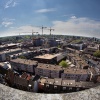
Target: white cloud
(8, 19)
(10, 3)
(73, 17)
(45, 10)
(68, 15)
(14, 4)
(6, 24)
(78, 26)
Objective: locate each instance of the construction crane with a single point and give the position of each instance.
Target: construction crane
(42, 29)
(34, 32)
(29, 32)
(51, 30)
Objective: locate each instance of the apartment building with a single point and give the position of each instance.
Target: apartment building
(24, 65)
(75, 74)
(48, 70)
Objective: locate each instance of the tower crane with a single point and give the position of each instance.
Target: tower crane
(51, 30)
(42, 29)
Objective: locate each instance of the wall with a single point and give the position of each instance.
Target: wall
(7, 93)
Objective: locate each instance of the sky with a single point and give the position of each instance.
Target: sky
(68, 17)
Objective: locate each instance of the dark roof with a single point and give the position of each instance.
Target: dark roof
(35, 78)
(24, 75)
(49, 67)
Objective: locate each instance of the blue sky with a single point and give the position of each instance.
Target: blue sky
(70, 17)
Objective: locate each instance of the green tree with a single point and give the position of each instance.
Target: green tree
(97, 54)
(63, 64)
(22, 57)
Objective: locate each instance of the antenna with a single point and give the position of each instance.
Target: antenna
(51, 30)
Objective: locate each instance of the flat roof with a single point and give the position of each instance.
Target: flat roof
(48, 56)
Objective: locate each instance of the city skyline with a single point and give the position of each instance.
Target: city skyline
(74, 17)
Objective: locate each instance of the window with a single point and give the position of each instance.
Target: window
(64, 88)
(47, 86)
(55, 87)
(77, 89)
(70, 88)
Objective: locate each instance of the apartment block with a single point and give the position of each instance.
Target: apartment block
(75, 74)
(23, 65)
(47, 70)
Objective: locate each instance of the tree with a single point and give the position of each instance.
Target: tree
(22, 57)
(63, 64)
(97, 54)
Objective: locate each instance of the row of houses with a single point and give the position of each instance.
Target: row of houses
(36, 83)
(53, 71)
(58, 85)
